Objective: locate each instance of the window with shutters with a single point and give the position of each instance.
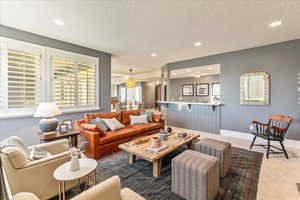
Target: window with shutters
(74, 80)
(31, 74)
(19, 78)
(86, 83)
(63, 73)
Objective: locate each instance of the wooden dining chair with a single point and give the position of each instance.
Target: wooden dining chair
(274, 130)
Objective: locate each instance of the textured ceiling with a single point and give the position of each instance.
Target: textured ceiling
(133, 29)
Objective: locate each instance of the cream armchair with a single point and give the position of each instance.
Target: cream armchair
(23, 175)
(106, 190)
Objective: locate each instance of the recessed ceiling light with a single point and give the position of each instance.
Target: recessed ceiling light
(209, 68)
(189, 71)
(197, 75)
(153, 54)
(58, 22)
(197, 44)
(174, 73)
(275, 23)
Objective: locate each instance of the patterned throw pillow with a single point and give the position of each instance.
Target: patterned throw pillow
(149, 116)
(138, 119)
(38, 153)
(99, 122)
(15, 141)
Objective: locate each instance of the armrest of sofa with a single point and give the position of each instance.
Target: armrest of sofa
(158, 117)
(128, 194)
(55, 147)
(108, 189)
(93, 138)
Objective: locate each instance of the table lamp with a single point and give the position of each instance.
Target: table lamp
(47, 111)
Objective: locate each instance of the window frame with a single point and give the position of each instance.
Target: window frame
(45, 84)
(77, 58)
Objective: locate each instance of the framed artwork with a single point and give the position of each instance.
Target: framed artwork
(187, 90)
(202, 89)
(216, 89)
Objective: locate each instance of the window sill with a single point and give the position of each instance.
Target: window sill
(66, 111)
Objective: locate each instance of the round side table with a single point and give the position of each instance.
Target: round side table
(64, 174)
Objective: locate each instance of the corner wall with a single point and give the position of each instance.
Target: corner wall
(281, 61)
(27, 128)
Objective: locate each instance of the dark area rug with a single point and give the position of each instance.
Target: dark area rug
(240, 183)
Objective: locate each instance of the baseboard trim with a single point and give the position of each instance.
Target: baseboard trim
(249, 137)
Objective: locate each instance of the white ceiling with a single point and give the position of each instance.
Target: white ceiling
(207, 70)
(133, 29)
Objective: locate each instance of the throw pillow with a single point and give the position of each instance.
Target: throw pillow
(15, 141)
(113, 124)
(149, 116)
(138, 119)
(38, 153)
(90, 127)
(99, 122)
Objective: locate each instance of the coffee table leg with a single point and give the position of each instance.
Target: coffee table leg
(156, 167)
(132, 159)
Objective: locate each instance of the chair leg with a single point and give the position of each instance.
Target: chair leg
(252, 143)
(268, 150)
(284, 151)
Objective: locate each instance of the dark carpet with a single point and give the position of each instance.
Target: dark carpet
(240, 182)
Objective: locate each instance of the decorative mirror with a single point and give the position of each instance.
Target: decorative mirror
(255, 88)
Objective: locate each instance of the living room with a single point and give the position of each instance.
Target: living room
(149, 100)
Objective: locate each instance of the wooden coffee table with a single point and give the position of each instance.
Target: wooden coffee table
(139, 148)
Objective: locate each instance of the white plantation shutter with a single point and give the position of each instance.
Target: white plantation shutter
(2, 103)
(23, 68)
(63, 81)
(86, 83)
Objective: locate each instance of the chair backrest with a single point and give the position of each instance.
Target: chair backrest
(280, 121)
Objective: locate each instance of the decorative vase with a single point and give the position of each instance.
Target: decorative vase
(155, 142)
(74, 153)
(75, 166)
(163, 136)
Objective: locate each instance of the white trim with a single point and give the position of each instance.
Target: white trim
(249, 137)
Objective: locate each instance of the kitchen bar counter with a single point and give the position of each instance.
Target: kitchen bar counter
(193, 115)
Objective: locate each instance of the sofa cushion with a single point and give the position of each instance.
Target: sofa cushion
(138, 119)
(149, 116)
(16, 156)
(145, 127)
(105, 115)
(99, 122)
(113, 124)
(113, 136)
(127, 113)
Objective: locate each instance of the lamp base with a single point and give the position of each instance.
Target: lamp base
(48, 124)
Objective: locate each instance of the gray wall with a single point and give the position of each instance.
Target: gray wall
(176, 87)
(281, 61)
(148, 94)
(27, 127)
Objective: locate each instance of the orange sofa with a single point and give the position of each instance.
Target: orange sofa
(101, 143)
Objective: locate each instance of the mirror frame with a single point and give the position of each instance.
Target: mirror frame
(266, 100)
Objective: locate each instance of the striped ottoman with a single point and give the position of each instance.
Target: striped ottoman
(195, 176)
(219, 149)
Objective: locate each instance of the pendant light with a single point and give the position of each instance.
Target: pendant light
(130, 82)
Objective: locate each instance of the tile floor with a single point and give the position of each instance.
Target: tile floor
(279, 176)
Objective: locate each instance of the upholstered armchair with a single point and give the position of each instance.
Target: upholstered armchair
(24, 175)
(106, 190)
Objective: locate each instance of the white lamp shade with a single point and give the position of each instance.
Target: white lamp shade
(47, 110)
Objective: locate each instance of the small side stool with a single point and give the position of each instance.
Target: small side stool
(216, 148)
(195, 176)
